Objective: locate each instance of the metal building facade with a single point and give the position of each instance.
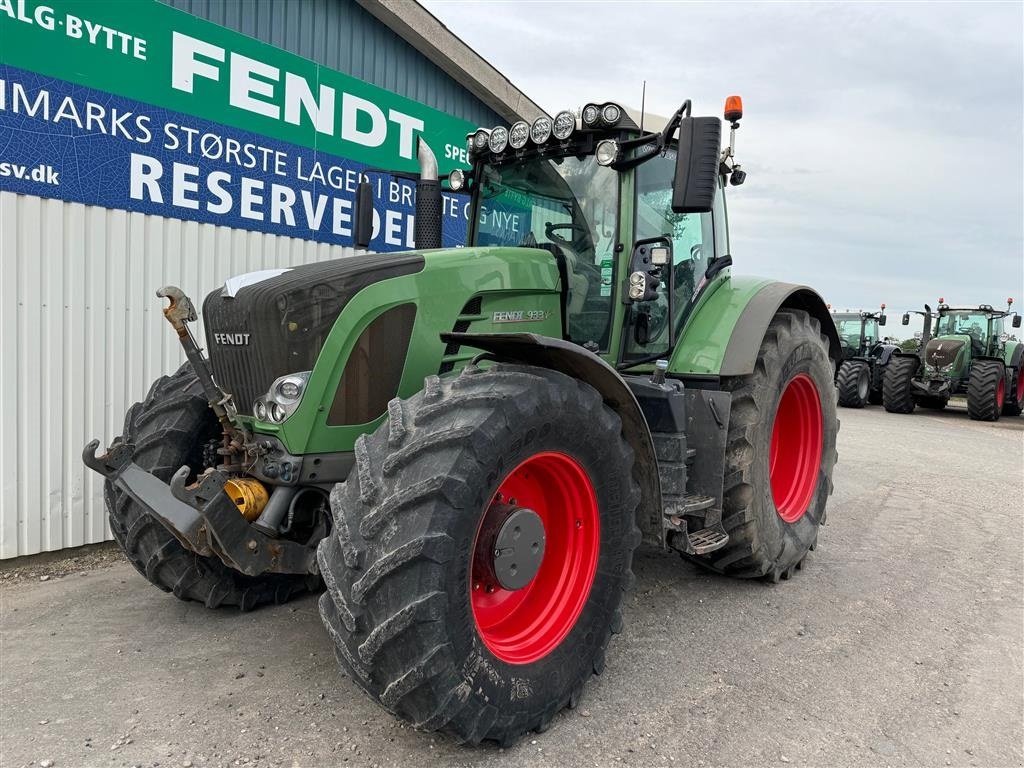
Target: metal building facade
(343, 36)
(83, 332)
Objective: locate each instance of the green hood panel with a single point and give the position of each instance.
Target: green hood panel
(518, 290)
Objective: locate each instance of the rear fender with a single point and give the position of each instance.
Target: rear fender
(886, 352)
(1013, 354)
(575, 361)
(724, 334)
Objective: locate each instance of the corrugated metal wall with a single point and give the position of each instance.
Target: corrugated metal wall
(341, 35)
(83, 337)
(82, 332)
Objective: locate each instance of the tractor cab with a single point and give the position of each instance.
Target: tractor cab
(859, 332)
(582, 188)
(980, 327)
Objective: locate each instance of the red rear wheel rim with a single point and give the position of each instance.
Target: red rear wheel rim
(524, 625)
(1001, 393)
(1020, 385)
(795, 456)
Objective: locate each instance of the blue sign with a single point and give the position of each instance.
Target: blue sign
(66, 141)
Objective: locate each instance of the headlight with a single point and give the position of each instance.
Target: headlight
(519, 134)
(498, 140)
(565, 123)
(456, 180)
(637, 278)
(283, 398)
(591, 114)
(607, 152)
(636, 292)
(288, 389)
(480, 138)
(610, 114)
(540, 131)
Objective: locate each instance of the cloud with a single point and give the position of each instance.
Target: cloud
(883, 140)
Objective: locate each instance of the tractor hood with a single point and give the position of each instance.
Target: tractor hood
(944, 352)
(267, 324)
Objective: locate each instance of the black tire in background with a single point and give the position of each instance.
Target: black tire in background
(853, 383)
(400, 565)
(986, 390)
(761, 542)
(1013, 405)
(897, 390)
(933, 403)
(169, 429)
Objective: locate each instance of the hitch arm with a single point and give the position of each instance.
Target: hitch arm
(179, 312)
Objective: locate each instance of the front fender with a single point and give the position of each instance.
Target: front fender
(575, 361)
(724, 333)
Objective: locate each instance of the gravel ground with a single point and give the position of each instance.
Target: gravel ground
(900, 643)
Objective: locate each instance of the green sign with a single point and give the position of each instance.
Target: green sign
(152, 53)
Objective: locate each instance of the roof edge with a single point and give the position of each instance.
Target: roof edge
(425, 32)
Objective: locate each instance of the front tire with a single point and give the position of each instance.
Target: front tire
(853, 383)
(986, 390)
(169, 429)
(897, 389)
(780, 454)
(416, 615)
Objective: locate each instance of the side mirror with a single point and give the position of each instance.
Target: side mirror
(1016, 321)
(693, 190)
(881, 319)
(906, 318)
(363, 215)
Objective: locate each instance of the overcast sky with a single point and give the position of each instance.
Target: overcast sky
(883, 141)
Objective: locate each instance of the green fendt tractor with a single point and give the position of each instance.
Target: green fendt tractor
(467, 445)
(865, 355)
(967, 354)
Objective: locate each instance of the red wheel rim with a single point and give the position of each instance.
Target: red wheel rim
(1020, 385)
(524, 625)
(795, 455)
(1001, 393)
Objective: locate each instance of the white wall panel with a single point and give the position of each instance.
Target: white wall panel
(83, 337)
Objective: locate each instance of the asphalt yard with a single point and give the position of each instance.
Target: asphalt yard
(899, 643)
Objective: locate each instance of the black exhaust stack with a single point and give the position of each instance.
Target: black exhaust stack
(427, 229)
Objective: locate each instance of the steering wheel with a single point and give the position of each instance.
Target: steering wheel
(549, 232)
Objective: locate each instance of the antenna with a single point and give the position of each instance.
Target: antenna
(643, 103)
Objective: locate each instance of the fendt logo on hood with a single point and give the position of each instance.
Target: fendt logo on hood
(231, 339)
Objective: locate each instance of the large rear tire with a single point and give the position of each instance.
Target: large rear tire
(897, 390)
(418, 618)
(986, 390)
(853, 383)
(780, 453)
(169, 429)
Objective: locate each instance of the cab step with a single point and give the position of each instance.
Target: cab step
(690, 504)
(708, 540)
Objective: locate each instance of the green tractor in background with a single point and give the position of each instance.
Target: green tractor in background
(467, 445)
(967, 352)
(865, 355)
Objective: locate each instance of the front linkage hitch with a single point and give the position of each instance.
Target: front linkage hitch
(201, 516)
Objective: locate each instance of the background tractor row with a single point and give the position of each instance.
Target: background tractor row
(865, 355)
(963, 351)
(465, 446)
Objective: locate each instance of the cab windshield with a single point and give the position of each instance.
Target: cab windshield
(973, 324)
(568, 206)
